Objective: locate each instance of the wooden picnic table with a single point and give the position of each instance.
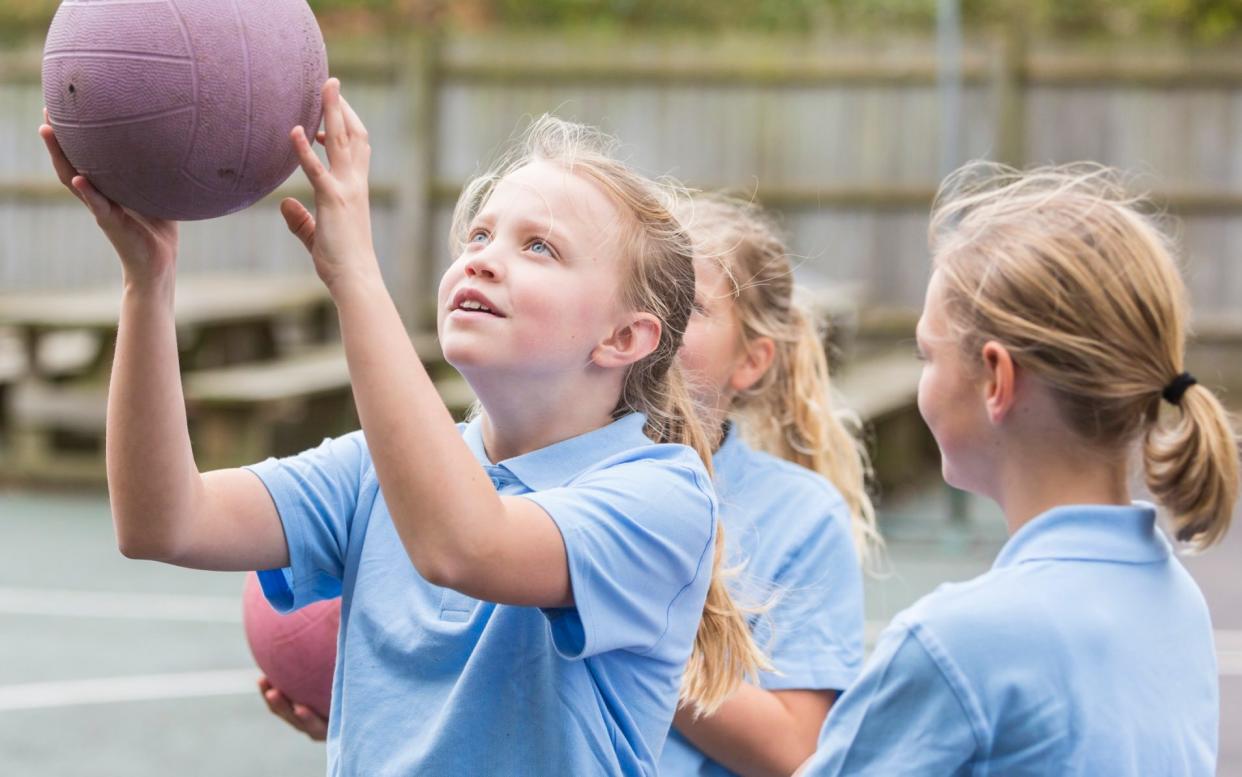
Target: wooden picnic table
(224, 317)
(54, 392)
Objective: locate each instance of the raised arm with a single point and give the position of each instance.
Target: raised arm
(162, 508)
(458, 532)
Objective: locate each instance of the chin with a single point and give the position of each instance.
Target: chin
(962, 478)
(461, 355)
(950, 477)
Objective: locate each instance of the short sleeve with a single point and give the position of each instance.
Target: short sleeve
(904, 716)
(316, 494)
(813, 632)
(638, 540)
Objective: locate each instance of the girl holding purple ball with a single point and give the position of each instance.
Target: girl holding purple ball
(529, 593)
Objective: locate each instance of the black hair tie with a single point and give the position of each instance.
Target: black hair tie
(1177, 388)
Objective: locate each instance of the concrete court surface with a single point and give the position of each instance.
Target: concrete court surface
(111, 667)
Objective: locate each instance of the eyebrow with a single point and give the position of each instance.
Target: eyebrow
(523, 224)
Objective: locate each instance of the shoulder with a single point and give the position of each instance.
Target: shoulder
(651, 469)
(656, 489)
(346, 455)
(780, 501)
(976, 621)
(746, 468)
(952, 603)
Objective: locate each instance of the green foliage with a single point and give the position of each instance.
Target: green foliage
(1207, 20)
(20, 18)
(1195, 20)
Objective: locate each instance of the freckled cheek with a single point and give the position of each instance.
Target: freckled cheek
(546, 324)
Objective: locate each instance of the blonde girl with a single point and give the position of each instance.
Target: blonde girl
(1054, 337)
(520, 595)
(791, 482)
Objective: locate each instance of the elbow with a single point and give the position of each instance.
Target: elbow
(142, 550)
(441, 571)
(447, 567)
(144, 546)
(137, 550)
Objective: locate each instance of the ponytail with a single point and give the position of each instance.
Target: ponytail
(791, 415)
(1190, 459)
(724, 652)
(788, 412)
(1080, 284)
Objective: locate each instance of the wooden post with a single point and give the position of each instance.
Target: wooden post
(416, 266)
(1010, 89)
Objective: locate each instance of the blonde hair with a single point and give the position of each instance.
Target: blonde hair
(788, 412)
(1061, 266)
(658, 279)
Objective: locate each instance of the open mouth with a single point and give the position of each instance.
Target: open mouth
(472, 302)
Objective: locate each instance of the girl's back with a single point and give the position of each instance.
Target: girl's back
(1086, 650)
(1053, 340)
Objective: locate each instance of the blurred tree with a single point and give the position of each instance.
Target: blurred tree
(1196, 20)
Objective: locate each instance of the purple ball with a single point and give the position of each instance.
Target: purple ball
(182, 109)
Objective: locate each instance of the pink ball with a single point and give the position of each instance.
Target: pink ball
(297, 651)
(182, 108)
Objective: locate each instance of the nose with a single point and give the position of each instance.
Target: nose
(485, 265)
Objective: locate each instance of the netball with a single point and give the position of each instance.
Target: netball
(182, 109)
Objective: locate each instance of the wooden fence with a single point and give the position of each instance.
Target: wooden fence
(841, 136)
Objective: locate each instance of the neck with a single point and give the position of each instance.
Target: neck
(714, 412)
(1037, 481)
(523, 414)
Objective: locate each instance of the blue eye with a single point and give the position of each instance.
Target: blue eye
(478, 233)
(540, 247)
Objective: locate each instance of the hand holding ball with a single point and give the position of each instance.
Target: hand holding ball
(297, 651)
(182, 109)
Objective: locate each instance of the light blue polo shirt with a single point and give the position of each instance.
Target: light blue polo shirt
(791, 529)
(1086, 650)
(430, 681)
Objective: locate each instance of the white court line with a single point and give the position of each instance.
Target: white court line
(94, 604)
(110, 690)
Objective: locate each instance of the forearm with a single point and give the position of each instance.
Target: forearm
(443, 505)
(152, 479)
(757, 733)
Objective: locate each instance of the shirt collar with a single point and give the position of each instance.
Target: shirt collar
(558, 463)
(1126, 534)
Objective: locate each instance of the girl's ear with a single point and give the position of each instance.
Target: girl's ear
(1000, 384)
(629, 343)
(760, 353)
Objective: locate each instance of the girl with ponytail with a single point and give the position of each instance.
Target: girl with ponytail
(1054, 337)
(520, 594)
(791, 481)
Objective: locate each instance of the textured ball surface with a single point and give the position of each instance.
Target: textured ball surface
(297, 651)
(182, 108)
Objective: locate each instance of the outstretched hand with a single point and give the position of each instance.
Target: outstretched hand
(338, 233)
(299, 716)
(145, 245)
